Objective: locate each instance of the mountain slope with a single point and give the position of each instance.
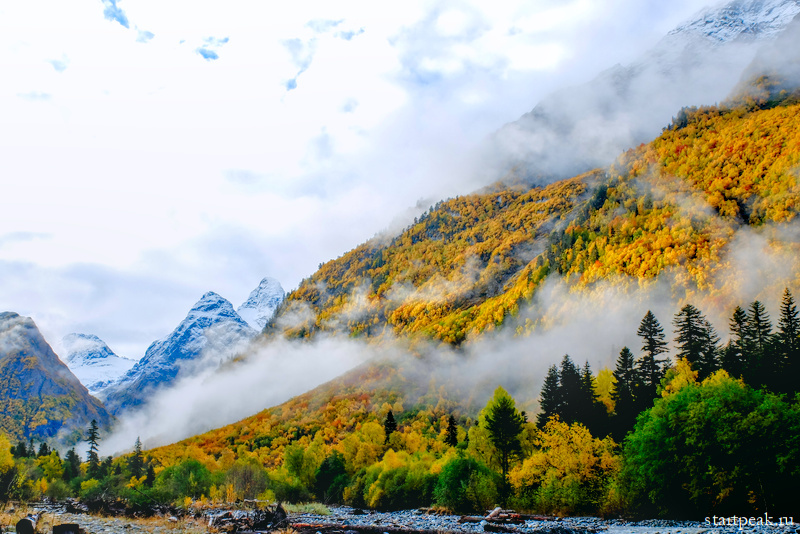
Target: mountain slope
(673, 206)
(471, 262)
(211, 332)
(587, 126)
(90, 359)
(39, 396)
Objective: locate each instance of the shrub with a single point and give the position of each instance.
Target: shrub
(719, 447)
(466, 485)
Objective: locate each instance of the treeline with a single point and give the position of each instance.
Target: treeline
(711, 431)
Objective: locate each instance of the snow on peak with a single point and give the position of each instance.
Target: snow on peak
(92, 361)
(210, 333)
(260, 306)
(742, 19)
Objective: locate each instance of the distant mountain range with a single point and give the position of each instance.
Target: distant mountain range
(39, 397)
(212, 333)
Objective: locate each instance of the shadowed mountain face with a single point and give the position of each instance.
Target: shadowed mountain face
(698, 63)
(39, 396)
(211, 332)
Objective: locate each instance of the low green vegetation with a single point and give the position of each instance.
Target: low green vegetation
(715, 433)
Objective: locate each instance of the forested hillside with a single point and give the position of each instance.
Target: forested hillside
(469, 263)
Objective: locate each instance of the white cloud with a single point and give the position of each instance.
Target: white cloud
(133, 155)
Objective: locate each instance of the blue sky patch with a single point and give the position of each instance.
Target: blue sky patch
(113, 12)
(207, 54)
(144, 37)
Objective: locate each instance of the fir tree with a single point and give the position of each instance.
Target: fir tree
(151, 476)
(570, 391)
(649, 366)
(44, 450)
(760, 364)
(696, 340)
(623, 393)
(733, 357)
(72, 465)
(504, 424)
(93, 435)
(550, 397)
(136, 461)
(787, 341)
(389, 425)
(451, 436)
(593, 414)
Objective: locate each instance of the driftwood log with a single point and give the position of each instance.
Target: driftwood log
(67, 528)
(249, 520)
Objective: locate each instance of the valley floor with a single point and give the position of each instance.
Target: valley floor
(346, 519)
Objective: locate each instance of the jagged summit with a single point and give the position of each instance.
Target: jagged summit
(212, 331)
(92, 361)
(260, 306)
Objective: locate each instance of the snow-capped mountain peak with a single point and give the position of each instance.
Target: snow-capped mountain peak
(211, 332)
(741, 19)
(260, 306)
(92, 361)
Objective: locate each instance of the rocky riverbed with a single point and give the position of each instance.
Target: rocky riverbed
(344, 519)
(421, 520)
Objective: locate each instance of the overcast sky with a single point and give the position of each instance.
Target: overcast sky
(153, 150)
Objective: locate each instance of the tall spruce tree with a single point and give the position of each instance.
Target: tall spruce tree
(72, 465)
(760, 364)
(570, 387)
(451, 434)
(92, 437)
(550, 397)
(649, 366)
(733, 358)
(389, 425)
(136, 461)
(623, 393)
(504, 424)
(593, 414)
(697, 341)
(787, 341)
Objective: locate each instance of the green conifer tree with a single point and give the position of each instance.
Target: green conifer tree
(624, 391)
(136, 461)
(389, 425)
(550, 397)
(504, 424)
(697, 341)
(92, 437)
(650, 367)
(570, 391)
(451, 436)
(788, 343)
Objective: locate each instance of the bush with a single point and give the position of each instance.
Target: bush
(331, 479)
(466, 485)
(189, 478)
(716, 448)
(58, 490)
(249, 479)
(568, 473)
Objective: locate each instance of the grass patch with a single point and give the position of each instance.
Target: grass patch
(307, 508)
